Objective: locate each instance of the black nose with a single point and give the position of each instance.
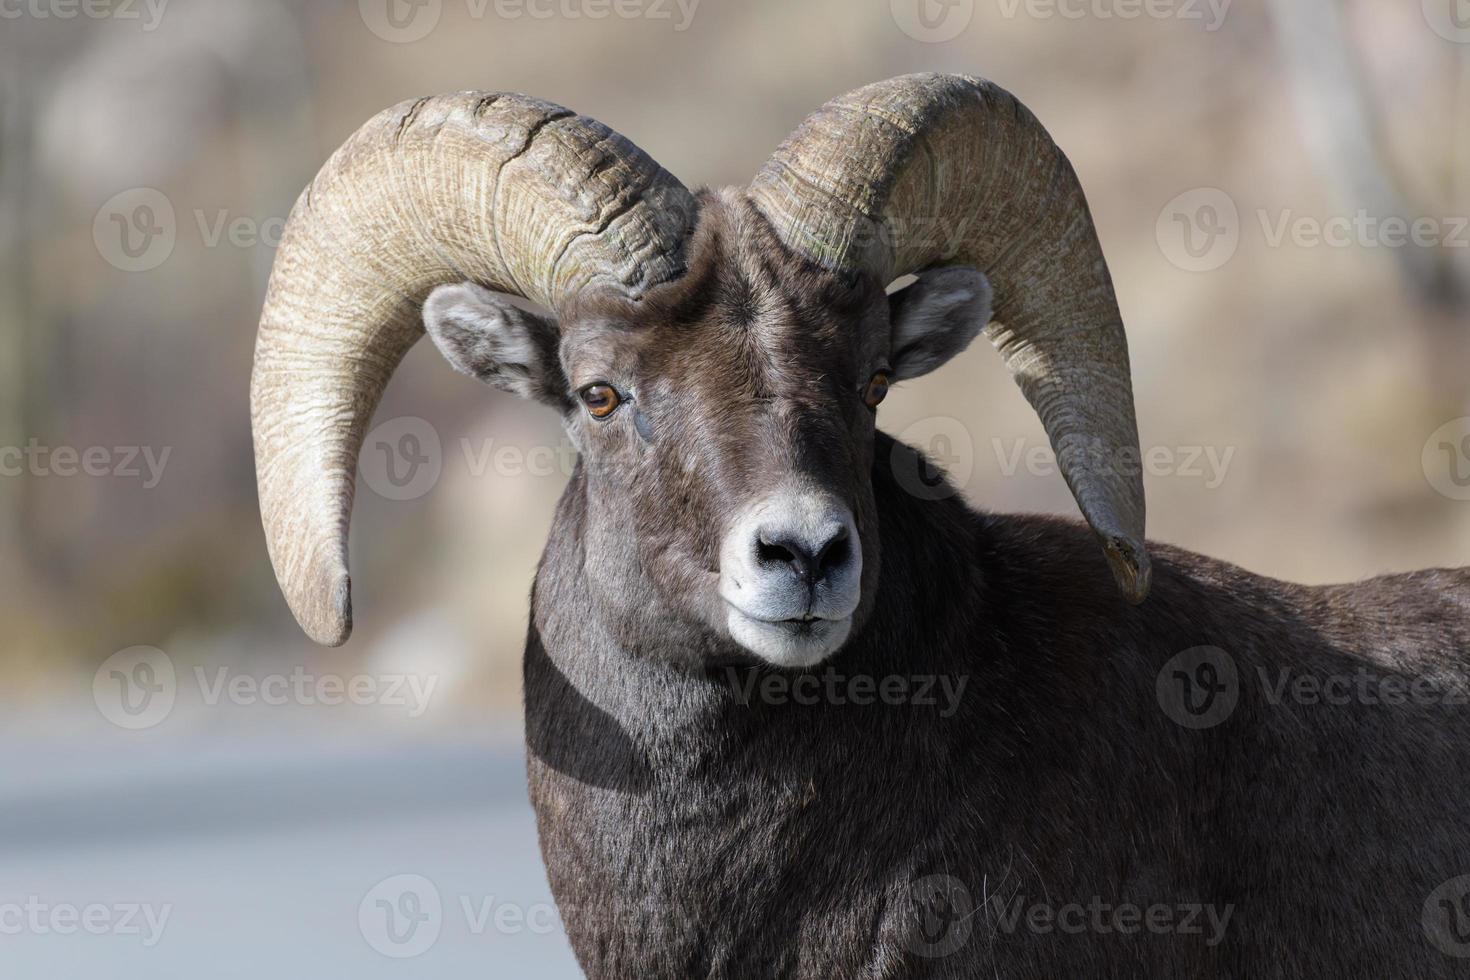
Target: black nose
(811, 561)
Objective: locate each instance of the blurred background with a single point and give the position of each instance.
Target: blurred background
(1282, 190)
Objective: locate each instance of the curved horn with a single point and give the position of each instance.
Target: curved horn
(939, 169)
(518, 195)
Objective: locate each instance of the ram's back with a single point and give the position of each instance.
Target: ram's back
(1314, 740)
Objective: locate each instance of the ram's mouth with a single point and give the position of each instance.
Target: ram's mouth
(798, 628)
(806, 620)
(795, 642)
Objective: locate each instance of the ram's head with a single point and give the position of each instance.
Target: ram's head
(717, 358)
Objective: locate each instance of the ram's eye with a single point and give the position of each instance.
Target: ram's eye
(601, 400)
(877, 389)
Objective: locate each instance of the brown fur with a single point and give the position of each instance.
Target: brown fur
(690, 830)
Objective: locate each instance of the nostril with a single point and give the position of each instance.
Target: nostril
(777, 551)
(774, 550)
(834, 553)
(774, 553)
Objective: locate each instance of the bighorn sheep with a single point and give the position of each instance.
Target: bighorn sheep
(733, 767)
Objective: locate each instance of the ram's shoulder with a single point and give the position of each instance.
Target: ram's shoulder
(1055, 554)
(1408, 617)
(1053, 569)
(1047, 576)
(1409, 592)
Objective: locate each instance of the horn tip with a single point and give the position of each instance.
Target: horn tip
(326, 614)
(1128, 558)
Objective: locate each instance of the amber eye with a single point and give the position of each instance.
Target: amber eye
(600, 400)
(877, 389)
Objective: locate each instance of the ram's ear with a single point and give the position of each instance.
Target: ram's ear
(936, 317)
(486, 337)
